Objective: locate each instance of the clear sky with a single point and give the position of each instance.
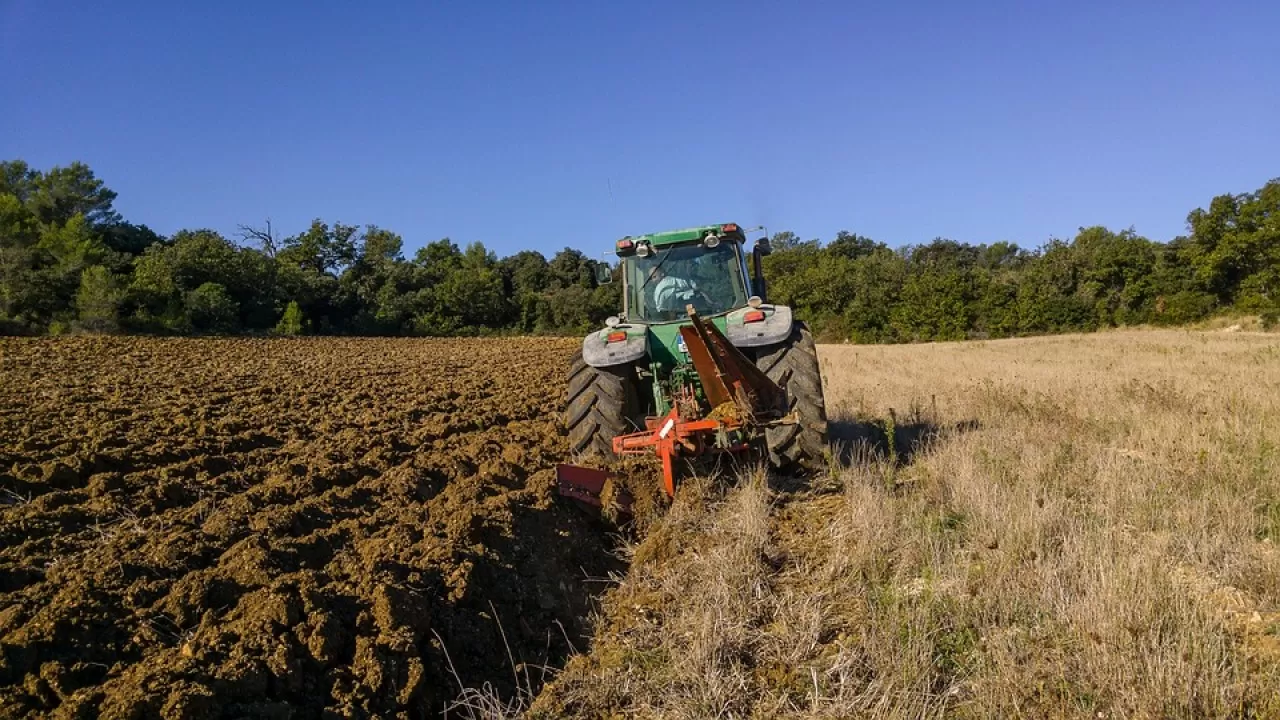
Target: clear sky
(509, 122)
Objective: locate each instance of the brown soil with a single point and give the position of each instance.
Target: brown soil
(276, 528)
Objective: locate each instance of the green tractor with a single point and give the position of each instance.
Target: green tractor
(696, 332)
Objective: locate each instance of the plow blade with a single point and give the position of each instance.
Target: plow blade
(586, 485)
(727, 375)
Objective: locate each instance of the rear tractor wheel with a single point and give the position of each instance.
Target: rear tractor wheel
(801, 447)
(602, 403)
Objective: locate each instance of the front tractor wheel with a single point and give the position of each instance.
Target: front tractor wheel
(602, 403)
(801, 447)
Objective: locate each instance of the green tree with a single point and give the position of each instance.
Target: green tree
(23, 300)
(784, 269)
(526, 276)
(787, 240)
(164, 275)
(62, 193)
(1048, 301)
(291, 323)
(210, 308)
(18, 180)
(1235, 248)
(876, 288)
(438, 259)
(936, 304)
(1002, 255)
(373, 280)
(1116, 274)
(128, 239)
(571, 267)
(470, 297)
(322, 249)
(852, 246)
(97, 301)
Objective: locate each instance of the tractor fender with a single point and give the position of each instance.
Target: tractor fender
(775, 327)
(598, 352)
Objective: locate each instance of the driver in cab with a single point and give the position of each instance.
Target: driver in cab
(672, 293)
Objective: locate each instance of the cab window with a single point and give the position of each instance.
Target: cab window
(661, 285)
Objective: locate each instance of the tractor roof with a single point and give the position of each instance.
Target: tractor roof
(729, 231)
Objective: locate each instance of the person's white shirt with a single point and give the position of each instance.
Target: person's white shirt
(670, 291)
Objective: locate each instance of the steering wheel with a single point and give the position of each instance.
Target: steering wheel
(699, 299)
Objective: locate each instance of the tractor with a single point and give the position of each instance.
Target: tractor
(697, 362)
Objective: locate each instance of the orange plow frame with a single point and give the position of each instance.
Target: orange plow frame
(671, 436)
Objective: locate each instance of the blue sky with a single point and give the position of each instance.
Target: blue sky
(509, 122)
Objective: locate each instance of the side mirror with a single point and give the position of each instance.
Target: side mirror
(604, 273)
(757, 270)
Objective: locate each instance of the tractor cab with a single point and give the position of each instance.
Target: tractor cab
(704, 267)
(667, 274)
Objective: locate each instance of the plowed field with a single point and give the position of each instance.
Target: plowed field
(275, 528)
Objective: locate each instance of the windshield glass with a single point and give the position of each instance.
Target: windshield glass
(661, 285)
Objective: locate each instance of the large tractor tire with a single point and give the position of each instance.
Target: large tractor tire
(801, 447)
(602, 403)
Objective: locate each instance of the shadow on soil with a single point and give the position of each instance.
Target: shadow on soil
(889, 440)
(530, 596)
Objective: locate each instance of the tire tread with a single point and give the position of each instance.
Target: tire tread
(801, 447)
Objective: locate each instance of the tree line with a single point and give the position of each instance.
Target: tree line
(858, 289)
(70, 263)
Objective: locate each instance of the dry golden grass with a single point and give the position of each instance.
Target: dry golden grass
(1076, 526)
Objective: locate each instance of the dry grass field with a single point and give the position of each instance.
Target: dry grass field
(1076, 526)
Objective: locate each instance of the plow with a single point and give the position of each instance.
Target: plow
(697, 364)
